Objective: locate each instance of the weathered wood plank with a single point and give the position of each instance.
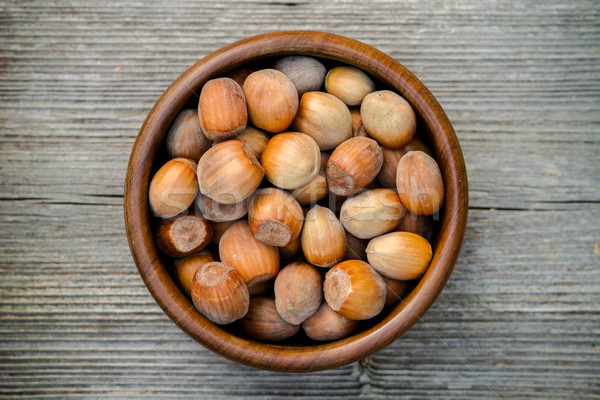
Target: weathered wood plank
(519, 317)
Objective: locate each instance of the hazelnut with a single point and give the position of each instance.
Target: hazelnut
(222, 108)
(400, 255)
(352, 165)
(275, 217)
(298, 292)
(185, 137)
(325, 118)
(220, 293)
(422, 225)
(354, 289)
(349, 84)
(388, 118)
(263, 322)
(355, 248)
(326, 324)
(218, 212)
(239, 75)
(255, 261)
(371, 213)
(272, 100)
(173, 188)
(291, 159)
(312, 191)
(306, 72)
(323, 238)
(183, 235)
(419, 183)
(229, 172)
(185, 268)
(254, 138)
(219, 229)
(291, 249)
(358, 128)
(394, 290)
(391, 158)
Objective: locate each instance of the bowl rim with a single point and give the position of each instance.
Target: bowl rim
(319, 356)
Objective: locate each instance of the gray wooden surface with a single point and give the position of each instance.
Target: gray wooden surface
(519, 318)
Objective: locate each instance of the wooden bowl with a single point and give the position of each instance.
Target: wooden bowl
(305, 356)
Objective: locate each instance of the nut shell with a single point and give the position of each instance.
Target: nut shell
(220, 293)
(185, 268)
(400, 255)
(255, 138)
(388, 118)
(185, 137)
(355, 248)
(229, 172)
(325, 118)
(218, 212)
(349, 84)
(173, 188)
(298, 292)
(272, 100)
(291, 159)
(394, 290)
(326, 324)
(222, 108)
(391, 158)
(255, 261)
(354, 289)
(353, 165)
(371, 213)
(263, 322)
(306, 73)
(323, 237)
(422, 225)
(219, 228)
(419, 183)
(275, 217)
(183, 235)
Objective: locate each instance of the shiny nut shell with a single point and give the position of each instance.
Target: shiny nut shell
(220, 293)
(275, 217)
(272, 100)
(185, 268)
(348, 84)
(419, 183)
(173, 188)
(256, 262)
(388, 118)
(323, 237)
(291, 159)
(354, 289)
(400, 255)
(371, 213)
(325, 118)
(306, 73)
(219, 212)
(326, 324)
(298, 292)
(229, 172)
(391, 158)
(263, 322)
(222, 108)
(185, 137)
(352, 165)
(183, 235)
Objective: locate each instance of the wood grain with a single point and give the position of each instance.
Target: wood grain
(519, 317)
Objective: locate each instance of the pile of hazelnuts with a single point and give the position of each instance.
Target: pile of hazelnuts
(296, 197)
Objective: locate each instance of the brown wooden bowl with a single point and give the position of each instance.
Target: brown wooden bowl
(297, 357)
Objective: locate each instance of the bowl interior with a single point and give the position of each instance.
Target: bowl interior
(295, 355)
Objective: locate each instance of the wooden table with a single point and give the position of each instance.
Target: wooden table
(520, 316)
